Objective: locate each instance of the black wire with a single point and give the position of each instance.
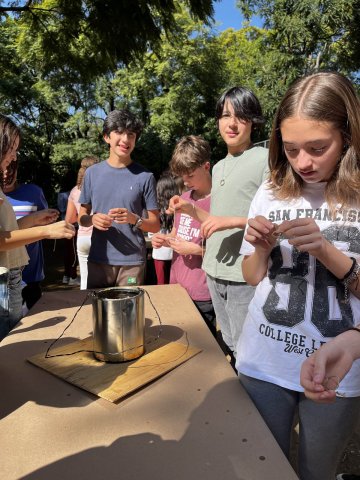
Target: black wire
(93, 351)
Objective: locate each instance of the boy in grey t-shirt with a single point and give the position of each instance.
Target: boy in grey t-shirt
(118, 191)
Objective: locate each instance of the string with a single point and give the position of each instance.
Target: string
(47, 355)
(74, 250)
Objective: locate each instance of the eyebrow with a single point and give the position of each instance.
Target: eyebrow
(319, 140)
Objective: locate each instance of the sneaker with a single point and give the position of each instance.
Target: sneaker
(65, 279)
(347, 476)
(74, 281)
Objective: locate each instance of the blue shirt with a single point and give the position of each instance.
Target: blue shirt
(106, 187)
(26, 199)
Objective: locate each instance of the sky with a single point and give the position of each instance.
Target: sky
(228, 16)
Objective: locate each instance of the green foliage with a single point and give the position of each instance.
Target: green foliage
(314, 34)
(89, 37)
(66, 63)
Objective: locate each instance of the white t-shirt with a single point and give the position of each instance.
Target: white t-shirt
(299, 304)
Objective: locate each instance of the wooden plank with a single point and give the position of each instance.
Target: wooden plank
(113, 381)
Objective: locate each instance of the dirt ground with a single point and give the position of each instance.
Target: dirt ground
(54, 271)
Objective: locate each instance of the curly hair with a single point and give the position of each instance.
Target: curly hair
(9, 133)
(121, 120)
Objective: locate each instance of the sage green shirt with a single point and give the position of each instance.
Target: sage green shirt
(235, 180)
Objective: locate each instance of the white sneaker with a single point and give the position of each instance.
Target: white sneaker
(65, 279)
(74, 281)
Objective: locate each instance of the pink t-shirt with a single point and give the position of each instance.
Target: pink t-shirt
(186, 269)
(74, 197)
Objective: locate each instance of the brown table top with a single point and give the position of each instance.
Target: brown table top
(196, 422)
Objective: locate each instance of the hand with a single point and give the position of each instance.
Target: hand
(158, 240)
(44, 217)
(322, 372)
(260, 233)
(122, 215)
(213, 224)
(304, 234)
(60, 230)
(184, 247)
(101, 221)
(178, 204)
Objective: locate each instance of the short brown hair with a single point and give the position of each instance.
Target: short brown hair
(190, 152)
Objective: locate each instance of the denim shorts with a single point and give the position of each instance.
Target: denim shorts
(10, 300)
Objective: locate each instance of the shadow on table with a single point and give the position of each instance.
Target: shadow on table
(147, 455)
(43, 388)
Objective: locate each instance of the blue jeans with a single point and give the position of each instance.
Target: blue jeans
(231, 301)
(10, 300)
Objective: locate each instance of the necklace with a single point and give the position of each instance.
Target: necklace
(225, 176)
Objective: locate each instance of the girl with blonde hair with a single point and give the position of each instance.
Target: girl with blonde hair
(301, 249)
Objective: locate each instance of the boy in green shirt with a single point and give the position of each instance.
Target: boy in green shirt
(235, 180)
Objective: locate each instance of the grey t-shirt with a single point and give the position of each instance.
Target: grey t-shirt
(235, 180)
(106, 187)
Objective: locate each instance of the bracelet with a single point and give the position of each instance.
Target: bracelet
(353, 274)
(350, 270)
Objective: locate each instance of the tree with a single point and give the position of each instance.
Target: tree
(88, 37)
(313, 34)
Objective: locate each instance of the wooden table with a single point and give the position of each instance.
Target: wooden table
(196, 422)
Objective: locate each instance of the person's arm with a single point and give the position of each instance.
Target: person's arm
(215, 223)
(19, 238)
(178, 204)
(259, 234)
(41, 217)
(185, 247)
(71, 214)
(123, 215)
(323, 371)
(98, 220)
(209, 223)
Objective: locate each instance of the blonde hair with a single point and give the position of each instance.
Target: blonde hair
(323, 97)
(190, 152)
(86, 162)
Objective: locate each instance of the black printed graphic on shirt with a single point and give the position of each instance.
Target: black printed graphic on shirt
(316, 282)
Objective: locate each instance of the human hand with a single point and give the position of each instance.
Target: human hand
(101, 221)
(178, 204)
(321, 373)
(44, 217)
(122, 215)
(213, 224)
(158, 240)
(261, 233)
(304, 234)
(59, 230)
(184, 247)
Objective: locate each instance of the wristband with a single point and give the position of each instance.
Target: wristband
(349, 277)
(350, 270)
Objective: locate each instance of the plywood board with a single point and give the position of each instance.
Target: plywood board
(113, 381)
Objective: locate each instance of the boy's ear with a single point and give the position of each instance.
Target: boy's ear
(207, 165)
(106, 138)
